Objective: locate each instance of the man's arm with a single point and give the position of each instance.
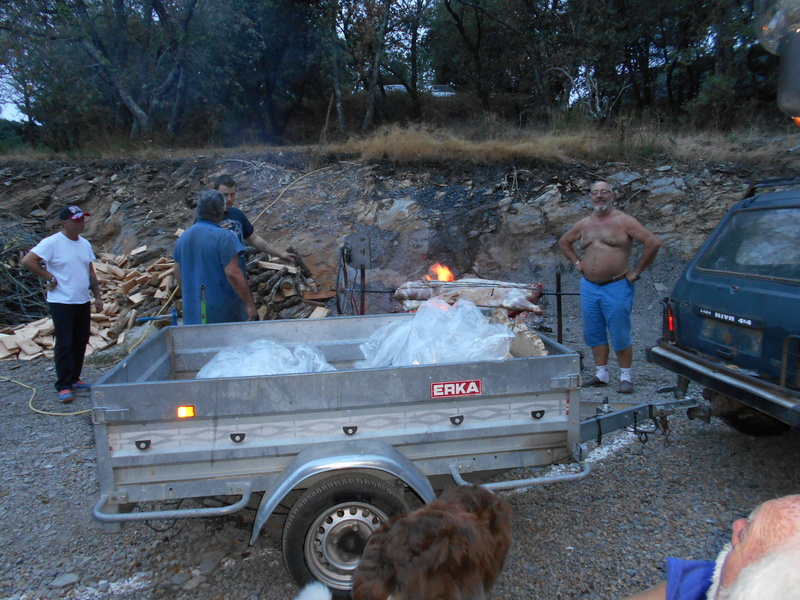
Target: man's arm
(33, 263)
(95, 287)
(656, 593)
(565, 244)
(261, 245)
(239, 284)
(650, 242)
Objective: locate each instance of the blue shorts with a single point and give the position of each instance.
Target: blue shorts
(607, 308)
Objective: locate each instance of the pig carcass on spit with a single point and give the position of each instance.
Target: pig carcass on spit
(515, 297)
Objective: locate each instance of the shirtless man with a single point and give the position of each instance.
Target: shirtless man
(606, 238)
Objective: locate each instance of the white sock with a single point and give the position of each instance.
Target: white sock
(625, 375)
(602, 373)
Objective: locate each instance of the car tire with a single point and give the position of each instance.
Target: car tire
(329, 525)
(743, 418)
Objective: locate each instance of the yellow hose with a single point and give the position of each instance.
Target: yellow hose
(36, 410)
(286, 188)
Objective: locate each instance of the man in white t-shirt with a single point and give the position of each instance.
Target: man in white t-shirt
(64, 261)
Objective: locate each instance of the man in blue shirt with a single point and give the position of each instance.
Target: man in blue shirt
(771, 528)
(213, 284)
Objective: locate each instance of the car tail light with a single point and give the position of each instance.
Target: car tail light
(668, 326)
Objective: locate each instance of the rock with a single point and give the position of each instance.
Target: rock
(210, 562)
(624, 178)
(63, 581)
(193, 583)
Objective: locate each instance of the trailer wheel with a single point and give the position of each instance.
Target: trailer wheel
(328, 527)
(743, 418)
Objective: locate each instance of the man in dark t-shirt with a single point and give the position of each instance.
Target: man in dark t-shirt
(237, 222)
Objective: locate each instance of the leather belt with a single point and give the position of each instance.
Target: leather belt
(617, 278)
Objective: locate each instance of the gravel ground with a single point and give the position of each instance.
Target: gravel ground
(604, 537)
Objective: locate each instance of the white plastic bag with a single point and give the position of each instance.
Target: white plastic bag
(438, 333)
(264, 357)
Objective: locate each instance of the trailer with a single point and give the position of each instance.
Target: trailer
(350, 444)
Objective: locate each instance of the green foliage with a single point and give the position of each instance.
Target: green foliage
(12, 136)
(716, 103)
(229, 72)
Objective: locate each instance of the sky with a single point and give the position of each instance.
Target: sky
(11, 113)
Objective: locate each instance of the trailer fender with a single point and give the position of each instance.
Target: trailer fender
(341, 456)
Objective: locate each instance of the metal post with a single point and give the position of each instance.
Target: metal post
(363, 290)
(558, 308)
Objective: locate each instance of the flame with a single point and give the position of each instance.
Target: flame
(441, 272)
(796, 121)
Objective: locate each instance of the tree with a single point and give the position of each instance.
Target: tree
(137, 49)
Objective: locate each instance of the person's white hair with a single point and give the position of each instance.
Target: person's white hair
(775, 576)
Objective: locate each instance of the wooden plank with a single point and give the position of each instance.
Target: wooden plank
(320, 295)
(139, 250)
(29, 347)
(273, 266)
(137, 298)
(128, 286)
(158, 262)
(97, 342)
(10, 342)
(27, 332)
(319, 312)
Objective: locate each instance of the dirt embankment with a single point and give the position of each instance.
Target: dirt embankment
(495, 221)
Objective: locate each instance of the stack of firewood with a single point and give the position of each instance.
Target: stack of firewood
(285, 291)
(131, 293)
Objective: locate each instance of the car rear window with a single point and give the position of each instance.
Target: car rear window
(758, 243)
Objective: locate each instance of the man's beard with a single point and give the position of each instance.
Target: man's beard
(602, 210)
(721, 557)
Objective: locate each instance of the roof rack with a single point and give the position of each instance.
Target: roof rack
(775, 182)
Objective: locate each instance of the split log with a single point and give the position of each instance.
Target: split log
(120, 324)
(483, 292)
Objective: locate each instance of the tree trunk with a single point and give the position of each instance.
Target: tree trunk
(372, 91)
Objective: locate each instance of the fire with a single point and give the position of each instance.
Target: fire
(441, 272)
(796, 121)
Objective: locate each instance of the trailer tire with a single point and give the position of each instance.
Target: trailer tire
(327, 528)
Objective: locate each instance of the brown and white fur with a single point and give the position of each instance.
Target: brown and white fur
(450, 549)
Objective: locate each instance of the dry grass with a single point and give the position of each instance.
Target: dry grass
(421, 144)
(488, 141)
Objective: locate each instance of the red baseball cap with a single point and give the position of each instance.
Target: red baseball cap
(72, 212)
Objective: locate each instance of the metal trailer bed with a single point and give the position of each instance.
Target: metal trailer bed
(415, 427)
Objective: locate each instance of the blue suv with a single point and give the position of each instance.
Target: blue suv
(732, 323)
